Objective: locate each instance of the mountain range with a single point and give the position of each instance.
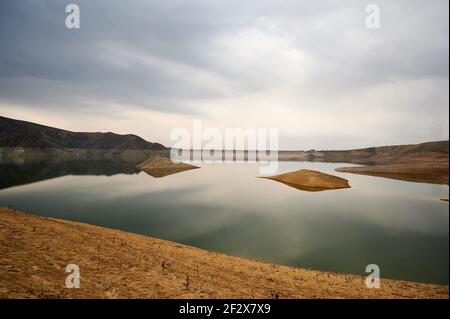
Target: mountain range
(16, 133)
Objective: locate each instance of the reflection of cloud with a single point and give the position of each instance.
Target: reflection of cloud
(389, 204)
(225, 207)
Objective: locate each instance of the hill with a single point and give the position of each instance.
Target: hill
(386, 154)
(16, 133)
(367, 156)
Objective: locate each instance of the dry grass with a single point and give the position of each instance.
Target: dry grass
(34, 252)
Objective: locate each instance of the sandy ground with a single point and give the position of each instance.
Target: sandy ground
(311, 181)
(428, 167)
(34, 253)
(160, 166)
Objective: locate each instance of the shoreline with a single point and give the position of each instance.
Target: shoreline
(35, 250)
(427, 167)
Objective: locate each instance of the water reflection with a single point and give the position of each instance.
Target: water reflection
(401, 226)
(13, 174)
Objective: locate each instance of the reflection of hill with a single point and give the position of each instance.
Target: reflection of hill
(12, 174)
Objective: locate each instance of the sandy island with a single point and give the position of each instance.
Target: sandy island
(311, 181)
(160, 166)
(34, 253)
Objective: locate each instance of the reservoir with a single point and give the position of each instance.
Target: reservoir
(400, 226)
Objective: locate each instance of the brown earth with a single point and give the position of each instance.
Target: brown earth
(311, 181)
(379, 155)
(160, 166)
(34, 253)
(425, 167)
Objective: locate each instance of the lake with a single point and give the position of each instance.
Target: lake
(401, 226)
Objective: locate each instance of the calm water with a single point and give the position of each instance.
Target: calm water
(401, 226)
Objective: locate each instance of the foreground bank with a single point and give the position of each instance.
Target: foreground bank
(35, 251)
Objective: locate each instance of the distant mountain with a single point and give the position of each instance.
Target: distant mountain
(15, 133)
(385, 154)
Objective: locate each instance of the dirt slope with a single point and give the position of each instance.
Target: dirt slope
(34, 252)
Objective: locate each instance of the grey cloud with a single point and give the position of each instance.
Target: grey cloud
(167, 55)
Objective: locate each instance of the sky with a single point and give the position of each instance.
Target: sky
(312, 69)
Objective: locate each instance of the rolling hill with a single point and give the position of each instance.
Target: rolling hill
(16, 133)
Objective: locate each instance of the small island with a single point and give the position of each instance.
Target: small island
(310, 180)
(160, 166)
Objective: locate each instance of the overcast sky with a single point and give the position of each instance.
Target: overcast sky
(310, 68)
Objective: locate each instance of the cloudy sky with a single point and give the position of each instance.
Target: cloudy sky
(310, 68)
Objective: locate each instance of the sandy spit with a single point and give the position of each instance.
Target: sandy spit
(310, 180)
